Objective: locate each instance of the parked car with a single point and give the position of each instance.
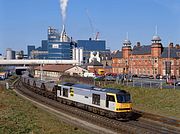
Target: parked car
(89, 75)
(143, 76)
(110, 78)
(170, 81)
(173, 77)
(135, 75)
(151, 77)
(99, 78)
(164, 77)
(177, 83)
(128, 78)
(158, 76)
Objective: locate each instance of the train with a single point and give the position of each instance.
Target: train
(109, 102)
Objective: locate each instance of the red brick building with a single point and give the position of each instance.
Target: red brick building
(147, 60)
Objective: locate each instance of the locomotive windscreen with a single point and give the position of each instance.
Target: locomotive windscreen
(123, 98)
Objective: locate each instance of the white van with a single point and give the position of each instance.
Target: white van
(89, 75)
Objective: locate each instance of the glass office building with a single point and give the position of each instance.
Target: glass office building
(59, 45)
(60, 50)
(92, 45)
(29, 49)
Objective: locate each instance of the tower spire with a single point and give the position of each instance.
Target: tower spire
(156, 30)
(127, 35)
(127, 42)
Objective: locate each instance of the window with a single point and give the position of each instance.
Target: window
(123, 98)
(96, 99)
(65, 92)
(110, 98)
(58, 88)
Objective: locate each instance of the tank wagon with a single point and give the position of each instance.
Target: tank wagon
(44, 88)
(113, 103)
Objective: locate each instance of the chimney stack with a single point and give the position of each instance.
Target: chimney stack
(138, 44)
(177, 46)
(171, 45)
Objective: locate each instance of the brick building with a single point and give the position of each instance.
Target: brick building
(147, 60)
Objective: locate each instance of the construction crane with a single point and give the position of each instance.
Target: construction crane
(90, 22)
(97, 35)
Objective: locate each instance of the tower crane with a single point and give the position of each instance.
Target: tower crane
(90, 22)
(97, 35)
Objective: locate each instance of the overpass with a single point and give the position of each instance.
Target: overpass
(36, 62)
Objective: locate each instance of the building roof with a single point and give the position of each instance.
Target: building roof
(174, 52)
(91, 87)
(156, 38)
(117, 54)
(55, 68)
(95, 63)
(140, 50)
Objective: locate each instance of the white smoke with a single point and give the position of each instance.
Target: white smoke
(63, 4)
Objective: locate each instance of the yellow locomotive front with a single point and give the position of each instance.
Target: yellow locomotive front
(122, 103)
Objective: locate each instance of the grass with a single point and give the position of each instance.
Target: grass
(19, 116)
(158, 101)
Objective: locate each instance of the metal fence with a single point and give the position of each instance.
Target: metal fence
(146, 83)
(137, 82)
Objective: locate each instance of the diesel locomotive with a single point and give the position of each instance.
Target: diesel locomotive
(109, 102)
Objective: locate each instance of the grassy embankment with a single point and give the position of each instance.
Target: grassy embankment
(20, 116)
(158, 101)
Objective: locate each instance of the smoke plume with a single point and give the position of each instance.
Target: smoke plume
(63, 4)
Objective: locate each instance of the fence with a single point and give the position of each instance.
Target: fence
(143, 83)
(146, 83)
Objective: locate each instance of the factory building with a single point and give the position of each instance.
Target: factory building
(59, 45)
(10, 54)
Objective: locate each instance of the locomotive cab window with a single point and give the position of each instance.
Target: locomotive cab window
(123, 98)
(109, 98)
(96, 99)
(65, 92)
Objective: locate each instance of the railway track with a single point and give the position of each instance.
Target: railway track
(137, 125)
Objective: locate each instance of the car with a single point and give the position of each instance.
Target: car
(143, 76)
(151, 77)
(158, 76)
(170, 81)
(177, 83)
(135, 75)
(173, 77)
(99, 78)
(129, 78)
(164, 77)
(110, 78)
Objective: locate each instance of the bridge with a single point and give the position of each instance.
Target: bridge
(36, 62)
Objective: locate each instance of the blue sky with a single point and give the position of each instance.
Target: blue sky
(24, 22)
